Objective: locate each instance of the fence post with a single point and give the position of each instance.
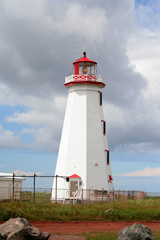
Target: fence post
(102, 194)
(13, 186)
(82, 195)
(45, 197)
(56, 189)
(34, 188)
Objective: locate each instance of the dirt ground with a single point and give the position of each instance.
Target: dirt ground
(72, 228)
(80, 227)
(59, 229)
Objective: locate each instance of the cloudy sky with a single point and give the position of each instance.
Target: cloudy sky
(39, 40)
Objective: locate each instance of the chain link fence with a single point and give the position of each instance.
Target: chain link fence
(11, 188)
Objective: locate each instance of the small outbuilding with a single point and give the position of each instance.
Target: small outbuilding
(10, 186)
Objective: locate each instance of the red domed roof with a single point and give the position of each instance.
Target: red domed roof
(84, 59)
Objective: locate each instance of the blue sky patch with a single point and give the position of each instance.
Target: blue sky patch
(8, 111)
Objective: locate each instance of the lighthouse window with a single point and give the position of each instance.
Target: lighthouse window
(100, 98)
(85, 68)
(92, 69)
(107, 151)
(104, 127)
(107, 157)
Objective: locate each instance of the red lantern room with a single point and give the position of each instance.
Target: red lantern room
(85, 72)
(85, 65)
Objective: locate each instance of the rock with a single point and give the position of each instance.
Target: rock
(135, 232)
(21, 229)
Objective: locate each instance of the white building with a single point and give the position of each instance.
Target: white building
(83, 153)
(6, 186)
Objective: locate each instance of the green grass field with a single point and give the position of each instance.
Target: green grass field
(112, 236)
(148, 209)
(101, 236)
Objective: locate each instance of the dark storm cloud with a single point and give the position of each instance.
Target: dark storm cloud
(39, 40)
(39, 49)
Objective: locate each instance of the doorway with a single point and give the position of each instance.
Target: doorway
(73, 187)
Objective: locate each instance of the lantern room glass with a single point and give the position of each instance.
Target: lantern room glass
(87, 68)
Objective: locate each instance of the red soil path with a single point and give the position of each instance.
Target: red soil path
(81, 227)
(72, 228)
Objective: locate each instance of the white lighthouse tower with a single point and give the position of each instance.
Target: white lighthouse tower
(83, 159)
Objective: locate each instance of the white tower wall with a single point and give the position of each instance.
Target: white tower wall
(83, 144)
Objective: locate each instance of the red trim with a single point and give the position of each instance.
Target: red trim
(84, 77)
(74, 176)
(84, 59)
(84, 82)
(110, 178)
(76, 68)
(106, 150)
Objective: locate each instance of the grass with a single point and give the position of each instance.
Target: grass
(156, 234)
(110, 235)
(39, 196)
(148, 209)
(101, 236)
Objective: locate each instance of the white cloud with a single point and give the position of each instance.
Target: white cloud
(45, 112)
(44, 122)
(19, 10)
(8, 139)
(146, 172)
(79, 20)
(147, 14)
(43, 139)
(21, 172)
(144, 53)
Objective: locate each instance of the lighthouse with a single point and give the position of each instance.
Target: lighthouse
(83, 162)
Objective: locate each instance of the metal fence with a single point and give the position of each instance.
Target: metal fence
(83, 196)
(36, 193)
(12, 188)
(152, 194)
(122, 195)
(86, 195)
